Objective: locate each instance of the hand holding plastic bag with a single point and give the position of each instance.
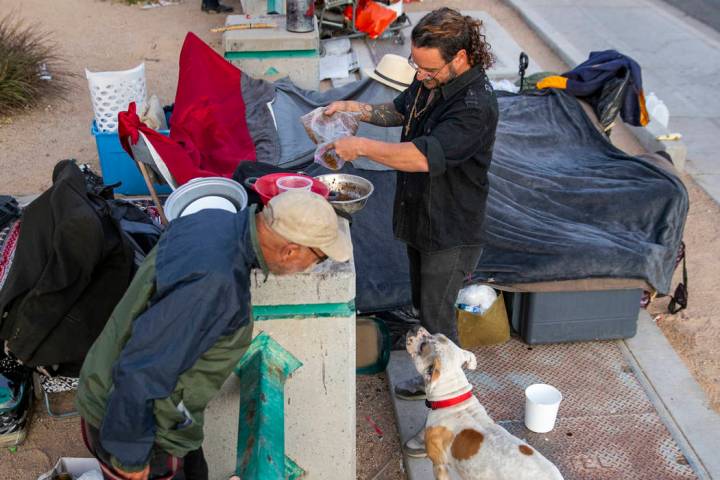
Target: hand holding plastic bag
(326, 156)
(323, 130)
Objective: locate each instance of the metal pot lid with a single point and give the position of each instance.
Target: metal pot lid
(198, 188)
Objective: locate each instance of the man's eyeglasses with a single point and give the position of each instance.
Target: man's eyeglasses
(433, 72)
(320, 258)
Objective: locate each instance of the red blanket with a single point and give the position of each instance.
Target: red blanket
(209, 135)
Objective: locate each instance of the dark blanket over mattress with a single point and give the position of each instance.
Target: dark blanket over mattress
(564, 204)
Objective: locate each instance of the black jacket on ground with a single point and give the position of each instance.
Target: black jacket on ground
(71, 267)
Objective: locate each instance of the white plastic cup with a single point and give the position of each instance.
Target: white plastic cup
(542, 402)
(293, 183)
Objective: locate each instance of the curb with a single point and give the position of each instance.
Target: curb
(676, 396)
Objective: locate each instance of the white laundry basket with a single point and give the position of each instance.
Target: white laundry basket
(112, 92)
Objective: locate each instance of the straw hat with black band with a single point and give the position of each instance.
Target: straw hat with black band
(393, 71)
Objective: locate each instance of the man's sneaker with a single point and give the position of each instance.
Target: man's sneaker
(411, 389)
(14, 426)
(415, 447)
(213, 6)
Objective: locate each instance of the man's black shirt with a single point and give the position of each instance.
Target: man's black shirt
(445, 208)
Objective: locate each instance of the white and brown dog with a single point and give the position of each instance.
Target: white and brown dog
(458, 430)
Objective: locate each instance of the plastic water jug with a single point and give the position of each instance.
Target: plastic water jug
(657, 109)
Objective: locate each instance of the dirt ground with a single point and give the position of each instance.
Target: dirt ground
(103, 35)
(695, 333)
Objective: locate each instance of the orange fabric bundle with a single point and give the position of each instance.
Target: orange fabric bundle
(371, 18)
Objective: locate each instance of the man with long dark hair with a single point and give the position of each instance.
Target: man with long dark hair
(449, 116)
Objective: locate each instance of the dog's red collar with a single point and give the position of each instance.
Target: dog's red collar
(449, 402)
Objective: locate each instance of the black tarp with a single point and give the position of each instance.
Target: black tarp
(564, 204)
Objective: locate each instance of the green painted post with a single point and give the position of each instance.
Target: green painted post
(274, 6)
(266, 54)
(263, 371)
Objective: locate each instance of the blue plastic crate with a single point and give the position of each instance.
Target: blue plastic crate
(118, 166)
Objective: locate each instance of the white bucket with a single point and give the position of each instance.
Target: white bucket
(542, 402)
(112, 92)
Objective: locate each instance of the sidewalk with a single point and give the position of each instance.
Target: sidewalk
(680, 59)
(631, 410)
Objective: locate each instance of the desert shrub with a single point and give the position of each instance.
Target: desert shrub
(30, 70)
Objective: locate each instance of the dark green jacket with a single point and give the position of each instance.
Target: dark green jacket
(118, 378)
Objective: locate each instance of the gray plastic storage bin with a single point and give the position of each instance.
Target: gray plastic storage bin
(574, 316)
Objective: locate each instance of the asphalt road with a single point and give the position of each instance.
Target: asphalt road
(707, 11)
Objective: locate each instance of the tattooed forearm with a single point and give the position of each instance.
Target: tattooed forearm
(383, 115)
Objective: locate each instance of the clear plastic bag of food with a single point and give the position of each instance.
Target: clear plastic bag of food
(324, 129)
(326, 156)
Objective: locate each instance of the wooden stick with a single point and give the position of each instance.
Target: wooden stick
(377, 475)
(153, 193)
(244, 26)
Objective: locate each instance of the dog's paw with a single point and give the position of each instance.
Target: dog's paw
(470, 360)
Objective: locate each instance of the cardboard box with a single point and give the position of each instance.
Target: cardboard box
(75, 467)
(491, 327)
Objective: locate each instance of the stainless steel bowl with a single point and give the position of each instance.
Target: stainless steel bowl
(348, 193)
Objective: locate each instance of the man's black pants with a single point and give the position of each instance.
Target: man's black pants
(436, 278)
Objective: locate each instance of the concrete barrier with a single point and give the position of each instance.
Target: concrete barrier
(312, 316)
(267, 51)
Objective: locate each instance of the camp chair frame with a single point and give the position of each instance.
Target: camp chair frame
(162, 168)
(39, 390)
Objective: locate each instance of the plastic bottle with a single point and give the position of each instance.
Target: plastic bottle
(651, 101)
(657, 109)
(476, 298)
(661, 114)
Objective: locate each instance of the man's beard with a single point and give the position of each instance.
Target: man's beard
(435, 83)
(452, 74)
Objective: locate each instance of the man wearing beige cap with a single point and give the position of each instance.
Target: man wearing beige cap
(182, 326)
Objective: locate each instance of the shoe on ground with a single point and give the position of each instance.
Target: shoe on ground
(15, 403)
(411, 389)
(415, 447)
(215, 7)
(13, 429)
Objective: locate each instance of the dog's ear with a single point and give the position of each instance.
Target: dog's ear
(470, 362)
(422, 333)
(433, 374)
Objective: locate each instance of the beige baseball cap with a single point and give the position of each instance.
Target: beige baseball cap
(306, 218)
